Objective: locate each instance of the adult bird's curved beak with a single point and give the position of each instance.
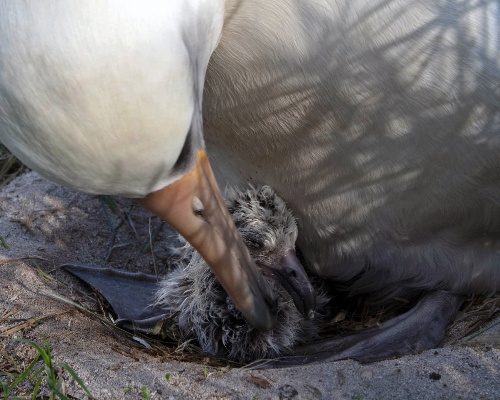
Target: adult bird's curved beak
(194, 206)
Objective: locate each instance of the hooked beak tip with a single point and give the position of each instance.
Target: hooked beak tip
(294, 279)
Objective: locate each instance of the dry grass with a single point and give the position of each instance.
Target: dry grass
(171, 345)
(474, 315)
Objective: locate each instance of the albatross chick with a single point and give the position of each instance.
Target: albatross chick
(204, 310)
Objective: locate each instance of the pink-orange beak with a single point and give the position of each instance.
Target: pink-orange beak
(194, 206)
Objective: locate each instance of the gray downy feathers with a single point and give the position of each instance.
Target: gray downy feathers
(201, 307)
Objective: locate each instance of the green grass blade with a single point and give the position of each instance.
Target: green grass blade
(36, 389)
(110, 202)
(5, 390)
(41, 351)
(25, 374)
(41, 272)
(76, 378)
(4, 243)
(47, 350)
(61, 396)
(49, 374)
(145, 393)
(35, 374)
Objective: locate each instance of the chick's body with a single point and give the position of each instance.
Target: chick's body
(204, 310)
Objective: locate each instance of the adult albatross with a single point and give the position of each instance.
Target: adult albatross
(377, 122)
(105, 97)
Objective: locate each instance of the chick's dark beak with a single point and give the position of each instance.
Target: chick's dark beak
(292, 276)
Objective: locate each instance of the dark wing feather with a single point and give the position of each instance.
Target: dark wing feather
(130, 294)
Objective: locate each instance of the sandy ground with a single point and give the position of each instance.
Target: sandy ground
(40, 219)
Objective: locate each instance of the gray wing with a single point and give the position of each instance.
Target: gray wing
(130, 294)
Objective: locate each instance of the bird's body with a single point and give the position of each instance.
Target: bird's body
(379, 124)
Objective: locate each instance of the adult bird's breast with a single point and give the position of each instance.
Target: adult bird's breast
(377, 125)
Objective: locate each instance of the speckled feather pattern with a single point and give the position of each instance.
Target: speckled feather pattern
(204, 310)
